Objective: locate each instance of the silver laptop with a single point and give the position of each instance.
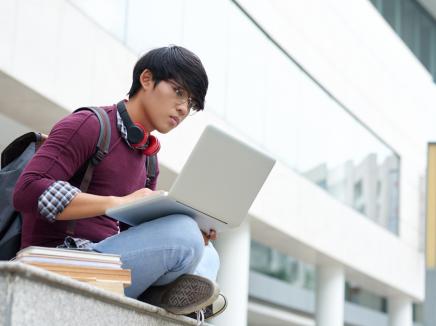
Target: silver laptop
(216, 186)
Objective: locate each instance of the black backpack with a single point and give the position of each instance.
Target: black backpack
(16, 156)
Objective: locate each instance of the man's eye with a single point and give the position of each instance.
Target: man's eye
(179, 92)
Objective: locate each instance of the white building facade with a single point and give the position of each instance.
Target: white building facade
(328, 88)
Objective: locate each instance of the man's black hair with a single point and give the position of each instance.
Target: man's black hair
(176, 63)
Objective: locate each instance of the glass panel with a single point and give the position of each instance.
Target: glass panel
(418, 313)
(425, 27)
(377, 3)
(390, 9)
(415, 26)
(347, 161)
(409, 30)
(277, 265)
(364, 298)
(433, 54)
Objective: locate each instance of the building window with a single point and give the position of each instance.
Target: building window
(358, 190)
(415, 26)
(365, 298)
(271, 262)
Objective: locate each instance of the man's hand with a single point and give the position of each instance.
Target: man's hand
(138, 194)
(210, 236)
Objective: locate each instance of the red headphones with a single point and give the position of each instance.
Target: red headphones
(137, 136)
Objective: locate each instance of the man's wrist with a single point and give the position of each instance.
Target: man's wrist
(113, 201)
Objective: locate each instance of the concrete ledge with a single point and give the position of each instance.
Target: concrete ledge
(32, 296)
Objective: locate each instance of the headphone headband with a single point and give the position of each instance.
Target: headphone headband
(135, 133)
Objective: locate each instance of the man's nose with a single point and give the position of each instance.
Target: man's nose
(183, 108)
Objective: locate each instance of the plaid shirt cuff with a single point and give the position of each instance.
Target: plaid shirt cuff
(55, 198)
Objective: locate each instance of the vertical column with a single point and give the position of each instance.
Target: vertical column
(234, 249)
(330, 287)
(400, 311)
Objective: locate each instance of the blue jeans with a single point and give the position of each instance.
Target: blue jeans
(159, 251)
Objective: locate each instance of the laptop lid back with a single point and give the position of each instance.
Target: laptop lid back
(222, 176)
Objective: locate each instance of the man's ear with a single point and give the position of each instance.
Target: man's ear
(146, 79)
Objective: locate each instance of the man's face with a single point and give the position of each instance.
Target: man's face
(166, 105)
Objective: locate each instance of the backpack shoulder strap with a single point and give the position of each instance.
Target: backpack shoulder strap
(151, 167)
(102, 147)
(101, 151)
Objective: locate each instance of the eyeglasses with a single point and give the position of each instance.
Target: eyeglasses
(182, 97)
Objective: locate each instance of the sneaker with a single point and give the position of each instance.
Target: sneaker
(186, 294)
(213, 310)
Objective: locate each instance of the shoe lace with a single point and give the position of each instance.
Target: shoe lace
(200, 317)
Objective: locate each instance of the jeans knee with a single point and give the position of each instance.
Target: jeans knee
(188, 237)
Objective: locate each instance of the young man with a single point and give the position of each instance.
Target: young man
(173, 264)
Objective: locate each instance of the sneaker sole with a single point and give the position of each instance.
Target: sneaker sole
(218, 312)
(189, 293)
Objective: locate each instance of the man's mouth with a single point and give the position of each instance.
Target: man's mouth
(175, 120)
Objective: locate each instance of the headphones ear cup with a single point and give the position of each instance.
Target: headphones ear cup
(135, 131)
(137, 135)
(153, 146)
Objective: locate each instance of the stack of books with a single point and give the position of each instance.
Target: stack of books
(101, 270)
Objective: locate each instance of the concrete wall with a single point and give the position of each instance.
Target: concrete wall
(31, 296)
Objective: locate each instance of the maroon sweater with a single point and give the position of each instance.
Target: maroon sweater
(70, 144)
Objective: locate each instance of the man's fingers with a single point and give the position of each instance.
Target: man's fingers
(212, 235)
(205, 238)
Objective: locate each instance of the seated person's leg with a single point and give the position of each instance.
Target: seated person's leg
(209, 264)
(162, 249)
